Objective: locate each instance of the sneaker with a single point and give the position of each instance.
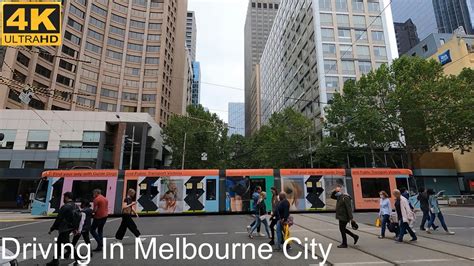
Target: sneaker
(261, 234)
(435, 227)
(413, 239)
(381, 237)
(271, 242)
(248, 228)
(250, 236)
(342, 246)
(356, 238)
(428, 231)
(398, 241)
(450, 233)
(422, 229)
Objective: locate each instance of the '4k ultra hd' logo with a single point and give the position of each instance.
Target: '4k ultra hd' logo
(31, 23)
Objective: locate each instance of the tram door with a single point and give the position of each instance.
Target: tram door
(55, 195)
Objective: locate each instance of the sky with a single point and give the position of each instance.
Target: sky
(220, 50)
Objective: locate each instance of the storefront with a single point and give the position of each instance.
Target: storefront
(16, 182)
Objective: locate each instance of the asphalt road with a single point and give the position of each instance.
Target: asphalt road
(434, 249)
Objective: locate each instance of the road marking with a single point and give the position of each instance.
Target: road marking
(241, 232)
(216, 233)
(18, 220)
(362, 263)
(150, 235)
(428, 260)
(20, 225)
(457, 215)
(188, 234)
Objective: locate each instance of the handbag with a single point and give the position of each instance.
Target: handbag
(354, 225)
(378, 222)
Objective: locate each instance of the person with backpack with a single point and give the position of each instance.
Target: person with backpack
(85, 225)
(436, 211)
(128, 209)
(100, 212)
(66, 222)
(405, 216)
(255, 198)
(283, 213)
(261, 215)
(423, 199)
(273, 216)
(344, 215)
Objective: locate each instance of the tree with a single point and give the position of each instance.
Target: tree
(411, 104)
(205, 133)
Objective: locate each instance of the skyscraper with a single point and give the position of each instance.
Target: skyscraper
(452, 14)
(316, 45)
(406, 35)
(196, 89)
(191, 34)
(236, 119)
(115, 56)
(259, 22)
(421, 12)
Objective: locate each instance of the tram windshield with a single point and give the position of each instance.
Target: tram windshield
(42, 190)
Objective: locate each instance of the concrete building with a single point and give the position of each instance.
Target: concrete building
(255, 106)
(406, 35)
(430, 45)
(117, 56)
(236, 119)
(196, 89)
(38, 140)
(191, 34)
(259, 22)
(421, 12)
(316, 45)
(452, 14)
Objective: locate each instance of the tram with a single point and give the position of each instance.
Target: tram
(216, 191)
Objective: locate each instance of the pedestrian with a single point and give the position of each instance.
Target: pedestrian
(436, 211)
(344, 214)
(100, 212)
(405, 215)
(255, 197)
(20, 201)
(423, 199)
(85, 226)
(384, 213)
(283, 213)
(274, 214)
(65, 225)
(261, 217)
(128, 209)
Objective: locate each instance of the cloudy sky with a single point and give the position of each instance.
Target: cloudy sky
(220, 49)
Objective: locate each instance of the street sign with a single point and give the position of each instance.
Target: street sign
(203, 156)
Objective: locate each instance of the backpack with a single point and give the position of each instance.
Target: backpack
(76, 217)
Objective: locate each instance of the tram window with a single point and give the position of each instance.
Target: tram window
(372, 186)
(210, 189)
(82, 189)
(42, 191)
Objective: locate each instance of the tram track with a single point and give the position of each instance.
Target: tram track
(413, 244)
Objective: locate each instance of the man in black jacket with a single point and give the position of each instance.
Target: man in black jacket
(344, 215)
(283, 212)
(425, 208)
(64, 223)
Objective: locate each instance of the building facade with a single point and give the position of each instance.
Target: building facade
(316, 45)
(421, 12)
(407, 36)
(191, 34)
(236, 119)
(196, 89)
(256, 109)
(452, 14)
(38, 140)
(430, 45)
(259, 22)
(117, 56)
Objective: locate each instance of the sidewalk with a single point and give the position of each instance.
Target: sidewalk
(373, 251)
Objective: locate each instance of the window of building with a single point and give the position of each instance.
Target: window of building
(359, 21)
(23, 59)
(330, 66)
(115, 42)
(136, 35)
(358, 5)
(137, 24)
(150, 84)
(33, 164)
(119, 19)
(128, 109)
(327, 34)
(154, 37)
(138, 13)
(37, 145)
(344, 35)
(348, 67)
(345, 51)
(90, 74)
(332, 82)
(93, 48)
(151, 72)
(374, 6)
(341, 5)
(111, 80)
(154, 26)
(66, 65)
(85, 102)
(99, 10)
(43, 71)
(69, 51)
(152, 60)
(88, 88)
(76, 11)
(378, 37)
(326, 19)
(325, 5)
(154, 15)
(380, 52)
(329, 49)
(425, 48)
(150, 110)
(376, 22)
(133, 58)
(361, 35)
(65, 80)
(120, 8)
(113, 54)
(135, 47)
(109, 93)
(108, 107)
(94, 34)
(118, 31)
(71, 37)
(343, 21)
(363, 52)
(97, 23)
(74, 24)
(153, 48)
(132, 71)
(365, 67)
(149, 97)
(129, 96)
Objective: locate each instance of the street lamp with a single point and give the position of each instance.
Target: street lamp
(184, 145)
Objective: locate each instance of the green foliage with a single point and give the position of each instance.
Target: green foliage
(411, 98)
(205, 133)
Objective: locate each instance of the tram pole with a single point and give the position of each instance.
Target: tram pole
(184, 150)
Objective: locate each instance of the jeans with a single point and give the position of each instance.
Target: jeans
(385, 222)
(257, 223)
(404, 227)
(97, 231)
(279, 231)
(272, 227)
(63, 238)
(441, 220)
(127, 223)
(253, 223)
(426, 218)
(87, 240)
(343, 229)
